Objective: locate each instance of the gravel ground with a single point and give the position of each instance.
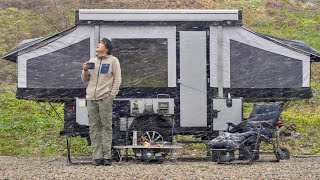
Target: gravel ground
(58, 168)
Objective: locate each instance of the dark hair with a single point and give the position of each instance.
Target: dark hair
(108, 45)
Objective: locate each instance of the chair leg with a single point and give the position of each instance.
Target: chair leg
(278, 158)
(224, 156)
(243, 154)
(255, 150)
(215, 156)
(231, 156)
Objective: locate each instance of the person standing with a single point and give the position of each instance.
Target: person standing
(103, 81)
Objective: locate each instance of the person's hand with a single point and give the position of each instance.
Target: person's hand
(85, 66)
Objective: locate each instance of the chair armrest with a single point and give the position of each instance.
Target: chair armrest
(268, 125)
(236, 127)
(230, 124)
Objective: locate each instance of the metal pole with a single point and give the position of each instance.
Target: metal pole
(55, 111)
(69, 149)
(220, 61)
(47, 114)
(172, 121)
(127, 136)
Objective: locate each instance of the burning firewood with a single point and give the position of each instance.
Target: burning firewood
(146, 144)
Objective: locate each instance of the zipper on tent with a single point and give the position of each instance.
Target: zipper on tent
(95, 98)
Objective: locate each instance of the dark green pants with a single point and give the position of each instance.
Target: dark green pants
(100, 125)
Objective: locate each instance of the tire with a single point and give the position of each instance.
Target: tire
(284, 154)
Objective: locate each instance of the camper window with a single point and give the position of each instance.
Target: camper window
(144, 62)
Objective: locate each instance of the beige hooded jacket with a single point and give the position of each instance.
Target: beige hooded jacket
(104, 79)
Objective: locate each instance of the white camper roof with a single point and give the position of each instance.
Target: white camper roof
(158, 15)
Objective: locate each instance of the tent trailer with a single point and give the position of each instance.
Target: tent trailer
(183, 71)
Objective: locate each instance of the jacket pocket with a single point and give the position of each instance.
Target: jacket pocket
(104, 68)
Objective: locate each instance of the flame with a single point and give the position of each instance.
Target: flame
(146, 144)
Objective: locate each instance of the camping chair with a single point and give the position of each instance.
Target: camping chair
(246, 137)
(260, 112)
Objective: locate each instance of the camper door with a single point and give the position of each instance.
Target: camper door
(193, 78)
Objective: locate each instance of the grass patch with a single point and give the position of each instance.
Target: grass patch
(26, 131)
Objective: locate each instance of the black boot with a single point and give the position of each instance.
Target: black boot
(97, 162)
(107, 162)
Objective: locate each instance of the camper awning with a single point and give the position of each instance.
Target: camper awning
(299, 46)
(12, 55)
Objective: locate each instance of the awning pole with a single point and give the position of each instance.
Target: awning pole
(47, 114)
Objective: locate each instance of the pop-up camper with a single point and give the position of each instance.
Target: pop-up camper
(190, 68)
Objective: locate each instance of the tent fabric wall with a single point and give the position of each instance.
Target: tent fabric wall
(59, 69)
(51, 57)
(252, 67)
(241, 35)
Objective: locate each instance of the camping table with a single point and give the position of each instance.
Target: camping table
(119, 148)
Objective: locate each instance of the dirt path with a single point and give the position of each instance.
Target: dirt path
(58, 168)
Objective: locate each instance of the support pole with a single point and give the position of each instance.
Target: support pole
(220, 61)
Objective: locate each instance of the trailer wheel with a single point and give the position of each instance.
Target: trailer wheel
(152, 137)
(150, 123)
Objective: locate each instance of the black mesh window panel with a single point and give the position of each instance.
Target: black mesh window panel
(59, 69)
(251, 67)
(144, 62)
